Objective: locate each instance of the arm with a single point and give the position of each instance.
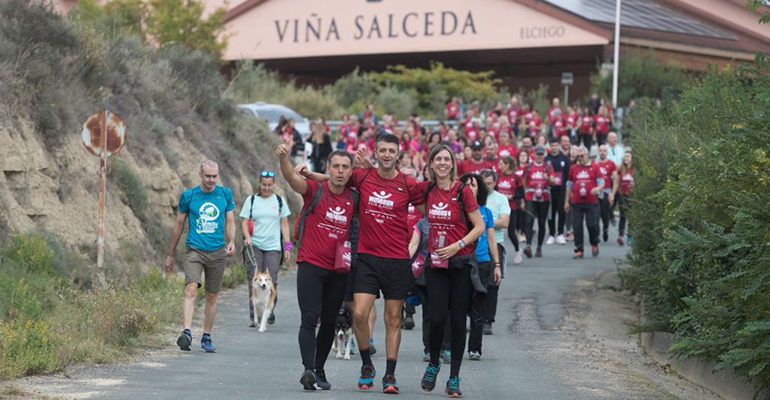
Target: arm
(472, 236)
(414, 242)
(568, 197)
(176, 233)
(287, 239)
(297, 184)
(230, 233)
(497, 271)
(245, 231)
(503, 221)
(615, 185)
(599, 187)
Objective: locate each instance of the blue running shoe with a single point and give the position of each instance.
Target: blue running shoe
(447, 356)
(453, 388)
(185, 340)
(428, 382)
(366, 380)
(389, 385)
(206, 344)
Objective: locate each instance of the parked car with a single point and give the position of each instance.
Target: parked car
(273, 112)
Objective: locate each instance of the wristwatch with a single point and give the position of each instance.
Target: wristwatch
(461, 244)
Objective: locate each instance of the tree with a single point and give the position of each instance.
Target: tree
(181, 21)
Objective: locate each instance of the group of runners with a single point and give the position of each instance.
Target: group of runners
(372, 226)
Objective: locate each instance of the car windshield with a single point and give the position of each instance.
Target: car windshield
(273, 114)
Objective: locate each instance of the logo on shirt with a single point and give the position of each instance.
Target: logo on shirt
(380, 199)
(504, 185)
(583, 175)
(337, 215)
(207, 214)
(439, 211)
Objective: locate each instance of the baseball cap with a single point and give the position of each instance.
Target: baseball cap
(539, 150)
(477, 145)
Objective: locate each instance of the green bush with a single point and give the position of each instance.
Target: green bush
(700, 220)
(28, 347)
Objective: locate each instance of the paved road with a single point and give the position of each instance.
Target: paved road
(528, 357)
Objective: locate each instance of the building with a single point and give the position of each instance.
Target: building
(525, 42)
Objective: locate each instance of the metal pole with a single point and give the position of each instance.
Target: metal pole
(566, 95)
(102, 195)
(616, 57)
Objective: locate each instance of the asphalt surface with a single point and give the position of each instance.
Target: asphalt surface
(528, 357)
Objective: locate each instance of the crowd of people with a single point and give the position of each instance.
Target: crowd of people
(416, 217)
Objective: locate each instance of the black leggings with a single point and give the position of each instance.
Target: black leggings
(557, 210)
(320, 293)
(449, 294)
(587, 141)
(605, 211)
(537, 209)
(623, 203)
(512, 226)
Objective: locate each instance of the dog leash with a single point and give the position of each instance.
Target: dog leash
(250, 254)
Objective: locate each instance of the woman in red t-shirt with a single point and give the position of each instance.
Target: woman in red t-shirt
(624, 180)
(510, 185)
(455, 225)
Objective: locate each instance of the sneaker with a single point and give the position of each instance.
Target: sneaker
(271, 318)
(389, 385)
(252, 325)
(606, 236)
(321, 382)
(453, 388)
(528, 252)
(561, 239)
(185, 340)
(487, 329)
(517, 257)
(578, 255)
(372, 349)
(629, 240)
(447, 356)
(539, 252)
(594, 251)
(428, 381)
(620, 241)
(409, 323)
(308, 380)
(550, 240)
(366, 380)
(206, 344)
(474, 355)
(426, 357)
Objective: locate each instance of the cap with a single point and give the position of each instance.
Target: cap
(477, 145)
(539, 150)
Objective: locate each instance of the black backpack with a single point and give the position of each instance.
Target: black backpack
(352, 229)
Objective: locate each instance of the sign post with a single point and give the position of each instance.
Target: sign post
(566, 80)
(103, 135)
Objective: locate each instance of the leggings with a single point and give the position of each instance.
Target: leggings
(449, 295)
(587, 141)
(426, 323)
(623, 202)
(601, 139)
(605, 211)
(537, 209)
(557, 210)
(512, 226)
(320, 293)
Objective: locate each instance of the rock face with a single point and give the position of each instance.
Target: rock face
(55, 191)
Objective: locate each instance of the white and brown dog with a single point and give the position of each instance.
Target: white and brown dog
(262, 298)
(343, 332)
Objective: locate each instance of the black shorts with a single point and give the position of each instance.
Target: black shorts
(391, 276)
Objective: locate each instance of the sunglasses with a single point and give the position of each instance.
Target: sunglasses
(267, 174)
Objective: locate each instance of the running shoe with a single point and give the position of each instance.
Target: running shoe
(594, 251)
(578, 255)
(308, 380)
(409, 323)
(206, 344)
(428, 381)
(389, 385)
(252, 325)
(271, 318)
(474, 355)
(517, 257)
(487, 329)
(453, 388)
(629, 240)
(426, 357)
(561, 239)
(447, 356)
(528, 252)
(606, 236)
(366, 380)
(539, 252)
(620, 241)
(372, 349)
(550, 240)
(321, 382)
(185, 340)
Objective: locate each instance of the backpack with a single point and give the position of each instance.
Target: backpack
(459, 199)
(529, 165)
(352, 229)
(251, 221)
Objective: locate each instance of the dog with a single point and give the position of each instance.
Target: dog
(262, 298)
(343, 331)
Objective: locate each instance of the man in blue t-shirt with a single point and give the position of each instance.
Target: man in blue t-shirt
(210, 210)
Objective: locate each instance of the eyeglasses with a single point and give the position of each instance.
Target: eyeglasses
(267, 174)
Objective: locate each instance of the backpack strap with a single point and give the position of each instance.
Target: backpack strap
(280, 204)
(307, 210)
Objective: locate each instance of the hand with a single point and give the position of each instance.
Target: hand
(169, 264)
(594, 191)
(230, 250)
(282, 150)
(302, 170)
(247, 241)
(612, 198)
(566, 206)
(286, 256)
(448, 251)
(498, 275)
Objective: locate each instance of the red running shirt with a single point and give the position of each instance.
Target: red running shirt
(627, 182)
(413, 217)
(583, 178)
(383, 210)
(326, 226)
(507, 185)
(538, 185)
(508, 150)
(602, 125)
(469, 167)
(445, 216)
(606, 169)
(585, 124)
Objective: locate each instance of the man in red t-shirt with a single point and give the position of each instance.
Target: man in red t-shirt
(583, 186)
(601, 126)
(476, 162)
(320, 282)
(383, 254)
